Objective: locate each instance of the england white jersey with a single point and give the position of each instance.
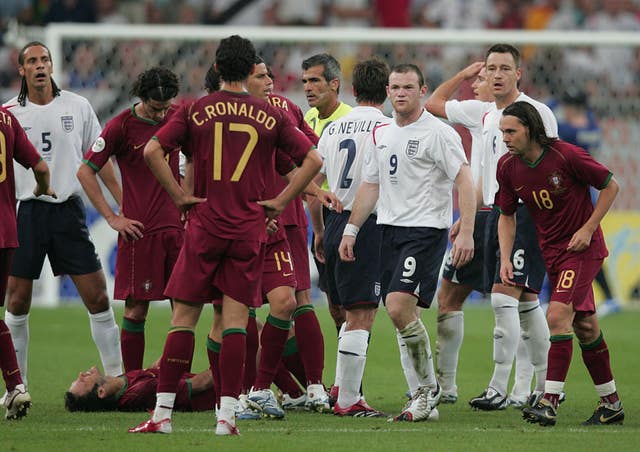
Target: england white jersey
(61, 131)
(494, 147)
(342, 148)
(470, 114)
(415, 166)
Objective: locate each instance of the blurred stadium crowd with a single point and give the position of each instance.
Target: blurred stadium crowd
(102, 70)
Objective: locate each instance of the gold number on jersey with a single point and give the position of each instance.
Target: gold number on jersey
(285, 258)
(543, 199)
(566, 279)
(246, 154)
(3, 158)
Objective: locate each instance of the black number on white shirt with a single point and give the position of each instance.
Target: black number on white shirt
(350, 146)
(46, 142)
(393, 161)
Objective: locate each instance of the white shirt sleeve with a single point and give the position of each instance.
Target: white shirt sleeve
(449, 153)
(370, 170)
(468, 113)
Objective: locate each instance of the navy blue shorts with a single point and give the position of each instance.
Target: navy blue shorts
(528, 265)
(55, 230)
(410, 260)
(352, 284)
(473, 274)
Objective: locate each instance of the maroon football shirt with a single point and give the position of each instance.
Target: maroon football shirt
(14, 144)
(143, 198)
(294, 214)
(235, 135)
(555, 190)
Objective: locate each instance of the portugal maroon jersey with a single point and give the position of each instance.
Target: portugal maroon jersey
(14, 144)
(293, 214)
(235, 135)
(555, 190)
(139, 393)
(143, 198)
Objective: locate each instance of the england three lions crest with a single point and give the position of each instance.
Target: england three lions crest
(412, 148)
(67, 123)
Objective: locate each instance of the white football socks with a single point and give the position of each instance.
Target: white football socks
(19, 327)
(534, 326)
(450, 334)
(106, 335)
(524, 371)
(418, 346)
(164, 406)
(505, 339)
(407, 367)
(352, 356)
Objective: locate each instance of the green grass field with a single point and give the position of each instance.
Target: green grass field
(61, 346)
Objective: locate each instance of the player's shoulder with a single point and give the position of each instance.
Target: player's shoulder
(311, 113)
(564, 149)
(507, 161)
(70, 97)
(11, 103)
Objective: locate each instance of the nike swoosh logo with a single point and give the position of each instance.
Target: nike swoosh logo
(287, 274)
(138, 146)
(520, 188)
(605, 419)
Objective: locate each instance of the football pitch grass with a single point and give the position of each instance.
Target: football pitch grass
(61, 347)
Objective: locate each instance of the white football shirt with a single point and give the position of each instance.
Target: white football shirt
(342, 148)
(61, 131)
(415, 166)
(470, 114)
(494, 147)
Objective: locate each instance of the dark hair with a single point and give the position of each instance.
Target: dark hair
(370, 79)
(24, 89)
(235, 58)
(331, 66)
(212, 80)
(157, 83)
(89, 402)
(505, 48)
(405, 68)
(575, 96)
(529, 117)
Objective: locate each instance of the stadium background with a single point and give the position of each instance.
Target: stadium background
(590, 45)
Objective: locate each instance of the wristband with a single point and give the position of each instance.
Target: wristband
(351, 229)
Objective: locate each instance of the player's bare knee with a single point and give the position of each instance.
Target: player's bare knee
(586, 328)
(360, 318)
(19, 296)
(136, 309)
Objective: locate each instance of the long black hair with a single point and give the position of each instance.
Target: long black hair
(24, 90)
(531, 119)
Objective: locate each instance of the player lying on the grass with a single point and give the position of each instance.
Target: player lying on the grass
(136, 391)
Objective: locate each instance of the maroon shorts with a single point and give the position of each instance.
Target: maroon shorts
(571, 279)
(278, 267)
(208, 266)
(299, 246)
(143, 266)
(5, 265)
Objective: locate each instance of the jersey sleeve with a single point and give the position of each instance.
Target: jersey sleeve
(175, 132)
(468, 113)
(506, 199)
(448, 152)
(92, 128)
(292, 141)
(284, 164)
(588, 170)
(108, 143)
(24, 152)
(370, 170)
(307, 130)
